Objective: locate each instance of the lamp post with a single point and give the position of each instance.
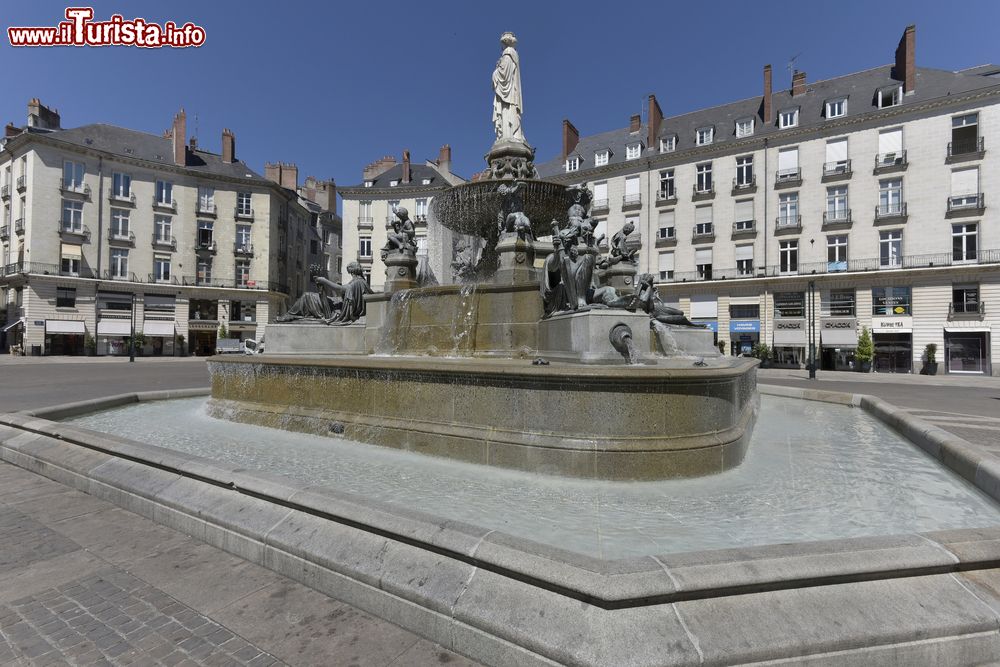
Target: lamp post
(131, 340)
(812, 330)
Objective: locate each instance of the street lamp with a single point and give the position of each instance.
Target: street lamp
(131, 340)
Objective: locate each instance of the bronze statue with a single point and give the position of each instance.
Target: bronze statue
(344, 304)
(402, 235)
(620, 246)
(647, 299)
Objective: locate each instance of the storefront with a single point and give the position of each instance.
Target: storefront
(705, 311)
(789, 340)
(743, 335)
(159, 335)
(202, 337)
(892, 330)
(13, 336)
(112, 336)
(967, 350)
(839, 342)
(64, 337)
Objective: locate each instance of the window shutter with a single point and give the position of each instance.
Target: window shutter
(600, 191)
(744, 252)
(744, 210)
(890, 141)
(704, 306)
(836, 150)
(788, 159)
(632, 185)
(703, 256)
(964, 182)
(666, 261)
(703, 214)
(666, 219)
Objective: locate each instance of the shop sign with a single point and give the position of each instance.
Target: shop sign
(892, 323)
(749, 326)
(789, 325)
(39, 323)
(840, 324)
(891, 300)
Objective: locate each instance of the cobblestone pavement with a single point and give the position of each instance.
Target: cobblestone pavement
(83, 582)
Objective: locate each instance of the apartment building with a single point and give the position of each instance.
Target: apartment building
(369, 210)
(107, 229)
(801, 215)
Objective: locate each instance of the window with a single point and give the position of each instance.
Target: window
(70, 265)
(964, 188)
(365, 208)
(243, 206)
(203, 275)
(161, 268)
(243, 237)
(206, 199)
(668, 144)
(119, 263)
(425, 181)
(965, 299)
(421, 209)
(367, 274)
(836, 157)
(703, 221)
(964, 134)
(836, 108)
(369, 184)
(242, 272)
(165, 193)
(788, 118)
(665, 263)
(836, 203)
(159, 303)
(633, 151)
(601, 195)
(161, 224)
(891, 301)
(72, 216)
(205, 235)
(788, 256)
(703, 263)
(667, 190)
(704, 180)
(313, 246)
(890, 196)
(364, 247)
(964, 242)
(744, 260)
(743, 215)
(890, 148)
(744, 311)
(890, 248)
(393, 205)
(572, 163)
(788, 209)
(889, 96)
(838, 303)
(600, 158)
(744, 128)
(119, 223)
(632, 194)
(744, 171)
(73, 176)
(665, 225)
(393, 183)
(121, 185)
(704, 136)
(65, 297)
(789, 304)
(836, 253)
(788, 165)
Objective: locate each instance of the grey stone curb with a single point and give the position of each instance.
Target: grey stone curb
(94, 404)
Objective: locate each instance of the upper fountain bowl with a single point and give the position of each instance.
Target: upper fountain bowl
(474, 208)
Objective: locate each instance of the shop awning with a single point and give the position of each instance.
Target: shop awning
(158, 328)
(114, 328)
(979, 329)
(789, 333)
(71, 250)
(12, 325)
(64, 327)
(839, 333)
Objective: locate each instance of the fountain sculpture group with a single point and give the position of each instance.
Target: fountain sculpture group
(447, 369)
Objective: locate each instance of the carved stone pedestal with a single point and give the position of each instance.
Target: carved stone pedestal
(520, 261)
(621, 276)
(400, 271)
(510, 159)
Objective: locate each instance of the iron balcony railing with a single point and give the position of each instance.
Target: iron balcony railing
(632, 200)
(664, 196)
(966, 147)
(788, 222)
(164, 242)
(166, 205)
(120, 237)
(123, 276)
(706, 231)
(960, 308)
(116, 198)
(233, 283)
(167, 280)
(896, 210)
(744, 226)
(206, 208)
(19, 226)
(837, 217)
(838, 168)
(788, 176)
(599, 205)
(744, 184)
(966, 202)
(666, 233)
(4, 232)
(22, 183)
(5, 192)
(204, 246)
(706, 189)
(75, 188)
(243, 213)
(43, 269)
(884, 161)
(242, 248)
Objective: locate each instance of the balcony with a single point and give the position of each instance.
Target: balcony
(4, 233)
(74, 188)
(837, 171)
(631, 201)
(704, 235)
(121, 199)
(243, 249)
(205, 246)
(366, 258)
(837, 219)
(703, 193)
(420, 219)
(243, 213)
(744, 186)
(41, 269)
(121, 238)
(74, 233)
(886, 163)
(22, 183)
(121, 276)
(366, 222)
(666, 237)
(890, 213)
(966, 310)
(5, 192)
(600, 206)
(744, 229)
(168, 242)
(968, 149)
(788, 224)
(224, 283)
(160, 205)
(19, 226)
(964, 205)
(788, 178)
(153, 278)
(206, 209)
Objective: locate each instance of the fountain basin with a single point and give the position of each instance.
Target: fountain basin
(472, 208)
(599, 422)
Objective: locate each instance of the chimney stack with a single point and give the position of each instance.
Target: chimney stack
(272, 171)
(906, 65)
(767, 95)
(177, 134)
(193, 143)
(12, 130)
(228, 146)
(635, 123)
(655, 120)
(327, 195)
(289, 176)
(444, 158)
(41, 116)
(570, 138)
(406, 167)
(798, 83)
(378, 167)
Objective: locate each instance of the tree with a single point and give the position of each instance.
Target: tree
(866, 349)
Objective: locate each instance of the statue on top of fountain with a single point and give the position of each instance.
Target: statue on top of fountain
(567, 277)
(401, 238)
(507, 103)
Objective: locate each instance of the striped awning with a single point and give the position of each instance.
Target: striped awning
(114, 328)
(158, 328)
(64, 327)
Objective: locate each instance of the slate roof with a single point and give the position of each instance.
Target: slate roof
(150, 147)
(859, 89)
(418, 172)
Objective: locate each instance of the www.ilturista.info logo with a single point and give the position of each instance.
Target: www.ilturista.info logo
(81, 30)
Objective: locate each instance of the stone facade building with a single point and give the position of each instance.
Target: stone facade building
(802, 215)
(101, 221)
(368, 212)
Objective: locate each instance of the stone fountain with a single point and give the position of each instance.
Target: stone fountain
(552, 356)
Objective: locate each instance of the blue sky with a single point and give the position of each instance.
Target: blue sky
(332, 86)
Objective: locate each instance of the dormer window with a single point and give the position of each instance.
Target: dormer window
(836, 108)
(393, 184)
(668, 144)
(368, 184)
(744, 128)
(601, 158)
(425, 181)
(572, 163)
(788, 118)
(704, 136)
(889, 96)
(633, 151)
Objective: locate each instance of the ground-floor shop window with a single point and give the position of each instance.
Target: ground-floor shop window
(967, 352)
(893, 352)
